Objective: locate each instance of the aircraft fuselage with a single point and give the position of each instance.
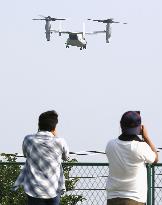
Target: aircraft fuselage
(76, 40)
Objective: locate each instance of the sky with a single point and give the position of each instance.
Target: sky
(90, 89)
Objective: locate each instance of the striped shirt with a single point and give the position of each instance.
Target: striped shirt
(42, 175)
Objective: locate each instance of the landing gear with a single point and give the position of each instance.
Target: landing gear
(84, 47)
(67, 46)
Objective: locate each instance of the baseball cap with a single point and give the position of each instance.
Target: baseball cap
(131, 123)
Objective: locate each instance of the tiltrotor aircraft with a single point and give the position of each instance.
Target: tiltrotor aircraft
(76, 39)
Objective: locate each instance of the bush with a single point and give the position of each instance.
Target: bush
(70, 185)
(9, 171)
(8, 175)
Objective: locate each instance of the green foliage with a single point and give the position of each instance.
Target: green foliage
(71, 199)
(9, 171)
(70, 185)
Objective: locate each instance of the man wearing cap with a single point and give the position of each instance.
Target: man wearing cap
(127, 155)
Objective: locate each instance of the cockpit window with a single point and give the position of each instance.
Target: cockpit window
(73, 36)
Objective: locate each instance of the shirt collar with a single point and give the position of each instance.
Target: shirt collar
(47, 133)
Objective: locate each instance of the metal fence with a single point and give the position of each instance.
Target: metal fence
(154, 184)
(92, 182)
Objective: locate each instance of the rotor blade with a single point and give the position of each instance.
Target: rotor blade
(49, 18)
(115, 22)
(110, 20)
(101, 20)
(57, 19)
(38, 19)
(119, 22)
(97, 20)
(61, 19)
(94, 20)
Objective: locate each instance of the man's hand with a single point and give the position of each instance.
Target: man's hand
(144, 133)
(148, 140)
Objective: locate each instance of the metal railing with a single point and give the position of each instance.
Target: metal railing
(92, 182)
(155, 184)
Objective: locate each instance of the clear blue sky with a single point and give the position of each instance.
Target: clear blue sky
(90, 89)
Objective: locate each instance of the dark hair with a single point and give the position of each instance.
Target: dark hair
(48, 121)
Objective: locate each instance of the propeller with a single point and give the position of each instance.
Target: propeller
(110, 20)
(48, 18)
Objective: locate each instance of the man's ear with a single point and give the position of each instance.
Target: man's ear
(141, 130)
(54, 132)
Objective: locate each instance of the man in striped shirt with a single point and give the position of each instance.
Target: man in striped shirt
(42, 176)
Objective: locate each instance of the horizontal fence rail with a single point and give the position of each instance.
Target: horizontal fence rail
(91, 181)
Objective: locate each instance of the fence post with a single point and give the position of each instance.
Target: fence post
(153, 184)
(149, 182)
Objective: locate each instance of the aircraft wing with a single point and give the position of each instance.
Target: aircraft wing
(69, 32)
(95, 32)
(57, 31)
(66, 32)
